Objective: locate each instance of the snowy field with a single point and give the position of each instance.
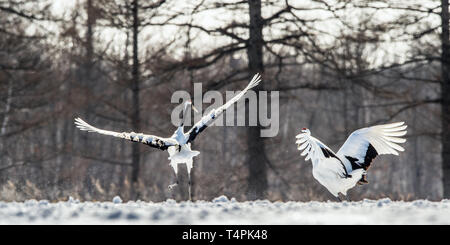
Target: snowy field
(224, 211)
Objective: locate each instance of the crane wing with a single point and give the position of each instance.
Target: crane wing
(150, 140)
(215, 113)
(363, 145)
(317, 151)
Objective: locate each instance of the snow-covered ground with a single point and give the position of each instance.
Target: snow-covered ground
(224, 211)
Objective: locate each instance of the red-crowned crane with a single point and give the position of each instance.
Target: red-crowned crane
(179, 144)
(342, 171)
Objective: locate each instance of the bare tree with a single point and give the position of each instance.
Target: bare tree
(445, 95)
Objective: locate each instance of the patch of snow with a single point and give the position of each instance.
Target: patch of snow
(117, 200)
(220, 199)
(222, 210)
(71, 200)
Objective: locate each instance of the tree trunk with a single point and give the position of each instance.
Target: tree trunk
(89, 37)
(445, 95)
(135, 100)
(257, 161)
(5, 158)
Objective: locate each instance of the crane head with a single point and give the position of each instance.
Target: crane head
(192, 106)
(305, 130)
(189, 103)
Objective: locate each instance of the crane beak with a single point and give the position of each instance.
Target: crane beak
(195, 109)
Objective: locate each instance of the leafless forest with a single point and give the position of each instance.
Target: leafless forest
(339, 65)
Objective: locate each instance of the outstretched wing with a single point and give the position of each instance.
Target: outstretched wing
(151, 140)
(363, 145)
(215, 113)
(317, 151)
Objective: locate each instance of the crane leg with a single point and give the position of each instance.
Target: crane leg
(175, 184)
(189, 189)
(339, 199)
(348, 198)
